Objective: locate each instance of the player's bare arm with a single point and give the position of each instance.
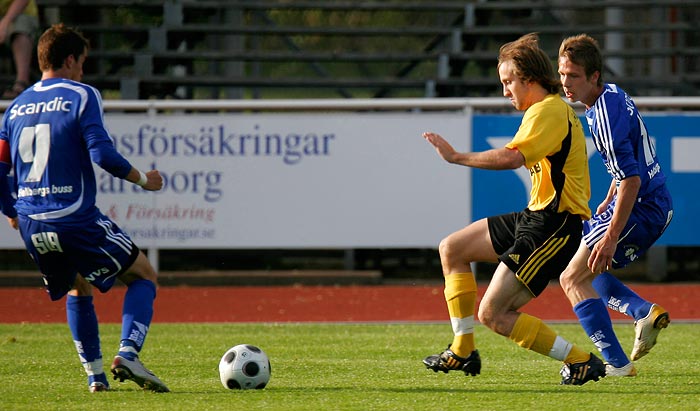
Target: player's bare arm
(602, 254)
(495, 159)
(608, 198)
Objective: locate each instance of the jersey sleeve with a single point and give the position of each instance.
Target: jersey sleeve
(99, 143)
(615, 130)
(7, 202)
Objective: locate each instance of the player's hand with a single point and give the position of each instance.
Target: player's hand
(154, 181)
(444, 149)
(13, 222)
(602, 207)
(601, 258)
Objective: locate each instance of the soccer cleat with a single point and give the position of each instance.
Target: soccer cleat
(98, 387)
(134, 370)
(449, 361)
(647, 329)
(582, 372)
(625, 371)
(98, 382)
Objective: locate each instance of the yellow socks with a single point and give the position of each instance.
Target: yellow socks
(531, 333)
(460, 294)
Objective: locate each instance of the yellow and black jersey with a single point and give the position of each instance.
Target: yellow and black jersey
(551, 139)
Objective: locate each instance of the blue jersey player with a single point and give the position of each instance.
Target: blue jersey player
(51, 134)
(634, 214)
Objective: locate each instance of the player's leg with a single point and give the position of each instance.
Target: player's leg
(651, 218)
(589, 307)
(614, 293)
(108, 253)
(137, 311)
(498, 311)
(137, 314)
(649, 318)
(457, 251)
(60, 277)
(646, 223)
(82, 321)
(544, 244)
(619, 297)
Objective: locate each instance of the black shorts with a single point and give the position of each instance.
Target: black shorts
(536, 245)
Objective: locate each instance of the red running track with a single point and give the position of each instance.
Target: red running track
(390, 303)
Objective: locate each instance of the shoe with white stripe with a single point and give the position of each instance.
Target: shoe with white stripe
(647, 330)
(625, 371)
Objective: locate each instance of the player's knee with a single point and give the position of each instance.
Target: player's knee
(443, 247)
(450, 253)
(485, 316)
(141, 269)
(494, 318)
(81, 288)
(566, 281)
(570, 279)
(488, 316)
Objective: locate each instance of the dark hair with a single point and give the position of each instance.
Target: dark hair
(530, 62)
(58, 43)
(583, 50)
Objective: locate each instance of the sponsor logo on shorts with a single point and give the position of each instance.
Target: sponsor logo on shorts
(93, 275)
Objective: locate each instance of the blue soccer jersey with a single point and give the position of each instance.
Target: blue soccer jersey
(622, 140)
(55, 131)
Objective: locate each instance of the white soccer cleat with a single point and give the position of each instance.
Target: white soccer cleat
(625, 371)
(134, 370)
(98, 387)
(647, 329)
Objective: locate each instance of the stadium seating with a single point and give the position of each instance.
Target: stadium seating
(339, 48)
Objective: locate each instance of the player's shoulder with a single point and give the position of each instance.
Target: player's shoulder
(66, 87)
(551, 106)
(615, 101)
(552, 102)
(613, 93)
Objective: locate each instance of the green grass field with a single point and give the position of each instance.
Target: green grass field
(340, 367)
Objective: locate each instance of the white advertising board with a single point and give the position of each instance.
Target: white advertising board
(295, 180)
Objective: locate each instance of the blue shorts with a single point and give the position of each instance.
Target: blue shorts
(99, 251)
(650, 217)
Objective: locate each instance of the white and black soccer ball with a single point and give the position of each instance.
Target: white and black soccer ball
(244, 367)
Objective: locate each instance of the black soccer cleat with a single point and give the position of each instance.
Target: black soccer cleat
(449, 361)
(582, 372)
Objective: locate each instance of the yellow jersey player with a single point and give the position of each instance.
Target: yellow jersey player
(532, 246)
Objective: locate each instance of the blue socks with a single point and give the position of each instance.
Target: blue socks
(619, 297)
(82, 321)
(136, 317)
(594, 318)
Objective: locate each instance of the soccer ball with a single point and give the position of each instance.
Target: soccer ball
(244, 367)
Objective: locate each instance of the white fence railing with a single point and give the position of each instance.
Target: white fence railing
(335, 173)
